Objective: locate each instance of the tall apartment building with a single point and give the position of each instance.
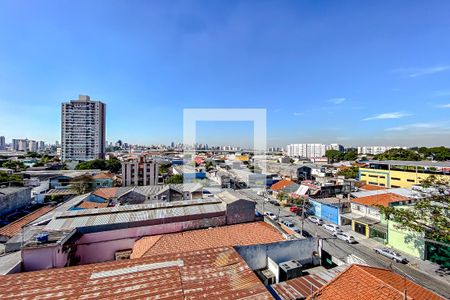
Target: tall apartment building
(20, 144)
(2, 143)
(311, 150)
(83, 129)
(139, 172)
(374, 150)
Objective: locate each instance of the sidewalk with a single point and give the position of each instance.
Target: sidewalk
(423, 266)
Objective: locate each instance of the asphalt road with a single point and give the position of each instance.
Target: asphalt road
(340, 249)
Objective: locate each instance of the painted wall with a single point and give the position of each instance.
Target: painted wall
(328, 213)
(406, 241)
(43, 258)
(13, 201)
(256, 256)
(102, 246)
(393, 178)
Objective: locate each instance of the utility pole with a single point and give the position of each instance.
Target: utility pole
(303, 216)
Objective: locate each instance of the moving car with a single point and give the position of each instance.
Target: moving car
(345, 237)
(274, 202)
(271, 215)
(316, 220)
(333, 228)
(389, 253)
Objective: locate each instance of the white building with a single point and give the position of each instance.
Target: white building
(374, 150)
(311, 150)
(82, 129)
(139, 172)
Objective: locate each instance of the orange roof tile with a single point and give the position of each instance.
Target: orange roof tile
(372, 187)
(232, 235)
(281, 184)
(91, 204)
(105, 193)
(381, 199)
(103, 175)
(15, 227)
(364, 282)
(208, 274)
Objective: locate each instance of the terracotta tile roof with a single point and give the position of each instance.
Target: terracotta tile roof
(232, 235)
(363, 282)
(208, 274)
(106, 193)
(281, 184)
(90, 204)
(103, 175)
(380, 199)
(15, 227)
(372, 187)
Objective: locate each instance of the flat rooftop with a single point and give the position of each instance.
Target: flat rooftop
(423, 163)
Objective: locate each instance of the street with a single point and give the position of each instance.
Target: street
(340, 249)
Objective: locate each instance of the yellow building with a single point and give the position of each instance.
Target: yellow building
(402, 174)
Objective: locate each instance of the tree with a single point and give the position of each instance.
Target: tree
(174, 179)
(14, 165)
(348, 173)
(351, 155)
(13, 178)
(113, 165)
(82, 184)
(334, 155)
(428, 215)
(398, 154)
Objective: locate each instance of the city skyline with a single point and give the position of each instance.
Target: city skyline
(321, 79)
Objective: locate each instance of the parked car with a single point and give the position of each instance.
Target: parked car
(271, 215)
(333, 228)
(345, 237)
(274, 202)
(316, 220)
(295, 209)
(389, 253)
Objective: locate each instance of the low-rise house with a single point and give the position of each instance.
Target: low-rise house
(285, 186)
(103, 179)
(329, 209)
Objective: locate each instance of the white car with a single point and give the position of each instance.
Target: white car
(345, 237)
(333, 228)
(271, 215)
(389, 253)
(316, 220)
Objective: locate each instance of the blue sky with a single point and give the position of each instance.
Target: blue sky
(352, 72)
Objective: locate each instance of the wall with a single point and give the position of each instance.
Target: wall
(240, 211)
(390, 180)
(256, 255)
(409, 242)
(10, 202)
(101, 246)
(43, 258)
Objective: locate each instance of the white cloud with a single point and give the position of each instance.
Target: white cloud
(417, 72)
(392, 115)
(444, 105)
(415, 126)
(298, 114)
(337, 100)
(441, 93)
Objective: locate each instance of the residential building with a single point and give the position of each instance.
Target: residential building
(311, 150)
(2, 143)
(83, 129)
(402, 174)
(32, 146)
(20, 144)
(374, 150)
(329, 209)
(140, 171)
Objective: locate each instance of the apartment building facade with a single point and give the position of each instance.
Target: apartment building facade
(83, 129)
(311, 150)
(139, 172)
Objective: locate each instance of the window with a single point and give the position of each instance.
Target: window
(371, 182)
(382, 184)
(363, 174)
(395, 178)
(394, 186)
(374, 176)
(382, 177)
(410, 180)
